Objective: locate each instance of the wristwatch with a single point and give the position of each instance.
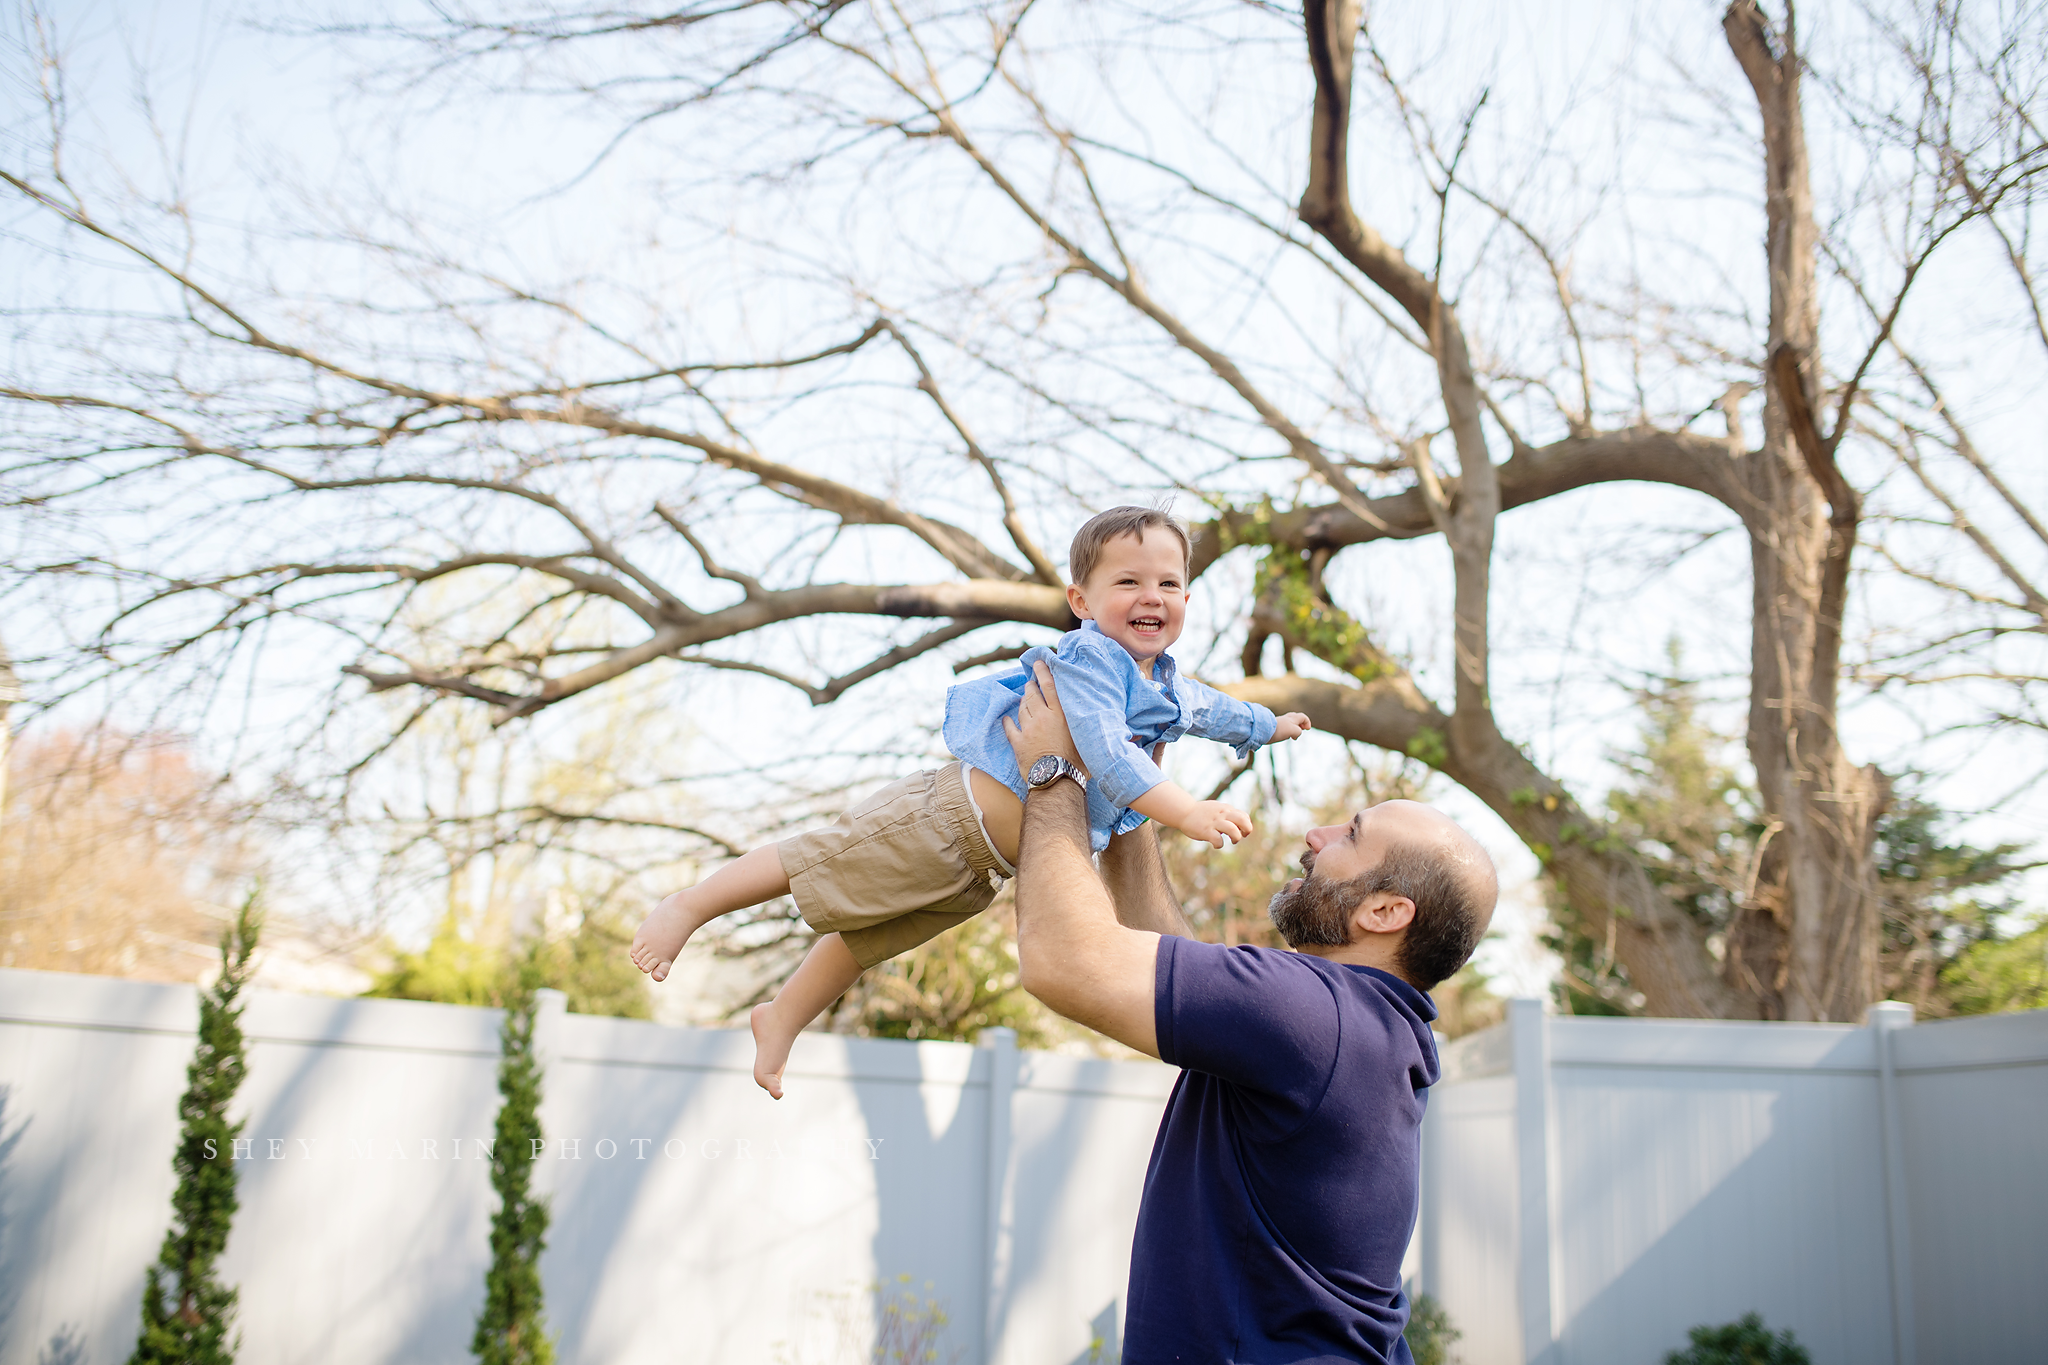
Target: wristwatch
(1050, 768)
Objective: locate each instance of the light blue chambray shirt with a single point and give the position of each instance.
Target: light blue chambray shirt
(1115, 713)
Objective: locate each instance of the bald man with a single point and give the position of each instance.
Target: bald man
(1283, 1183)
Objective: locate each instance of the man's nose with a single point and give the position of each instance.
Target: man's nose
(1321, 835)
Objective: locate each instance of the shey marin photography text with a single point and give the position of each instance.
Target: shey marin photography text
(820, 1150)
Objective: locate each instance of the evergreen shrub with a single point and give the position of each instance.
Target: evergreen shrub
(1429, 1332)
(511, 1328)
(1747, 1342)
(187, 1313)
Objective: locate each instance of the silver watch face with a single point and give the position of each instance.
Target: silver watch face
(1044, 770)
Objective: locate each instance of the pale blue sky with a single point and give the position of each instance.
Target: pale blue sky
(259, 118)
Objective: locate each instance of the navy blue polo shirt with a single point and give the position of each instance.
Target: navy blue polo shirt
(1282, 1189)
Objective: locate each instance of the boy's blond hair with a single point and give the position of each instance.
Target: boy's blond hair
(1104, 527)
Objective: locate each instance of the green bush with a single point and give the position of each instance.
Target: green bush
(1747, 1342)
(950, 989)
(589, 966)
(1998, 976)
(1429, 1333)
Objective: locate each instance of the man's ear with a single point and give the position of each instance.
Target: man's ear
(1076, 603)
(1383, 912)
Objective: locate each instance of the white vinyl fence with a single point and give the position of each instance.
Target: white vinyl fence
(695, 1219)
(1591, 1187)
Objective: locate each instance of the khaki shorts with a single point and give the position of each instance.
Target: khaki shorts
(901, 867)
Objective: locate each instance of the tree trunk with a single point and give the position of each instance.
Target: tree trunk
(1804, 945)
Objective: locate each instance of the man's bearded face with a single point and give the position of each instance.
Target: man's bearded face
(1316, 912)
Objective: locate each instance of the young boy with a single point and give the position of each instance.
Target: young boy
(931, 850)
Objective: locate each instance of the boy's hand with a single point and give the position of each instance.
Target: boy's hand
(1215, 824)
(1293, 725)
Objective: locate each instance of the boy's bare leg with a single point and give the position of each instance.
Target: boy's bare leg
(827, 972)
(745, 881)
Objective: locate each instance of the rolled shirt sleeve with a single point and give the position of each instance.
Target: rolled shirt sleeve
(1243, 725)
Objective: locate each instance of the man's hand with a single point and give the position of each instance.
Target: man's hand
(1041, 727)
(1215, 824)
(1293, 725)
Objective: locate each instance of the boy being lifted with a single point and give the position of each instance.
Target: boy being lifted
(932, 849)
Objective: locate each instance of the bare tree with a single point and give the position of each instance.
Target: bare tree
(117, 856)
(10, 693)
(592, 499)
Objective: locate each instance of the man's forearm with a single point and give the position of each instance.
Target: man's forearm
(1072, 952)
(1135, 874)
(1060, 900)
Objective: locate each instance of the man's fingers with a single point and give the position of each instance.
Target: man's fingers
(1039, 691)
(1041, 674)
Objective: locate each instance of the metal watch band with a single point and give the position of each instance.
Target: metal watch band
(1050, 768)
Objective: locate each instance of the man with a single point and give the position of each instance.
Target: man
(1283, 1184)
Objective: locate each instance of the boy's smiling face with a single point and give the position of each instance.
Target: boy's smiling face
(1137, 594)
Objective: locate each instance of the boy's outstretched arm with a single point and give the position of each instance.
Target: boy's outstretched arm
(1213, 822)
(1071, 951)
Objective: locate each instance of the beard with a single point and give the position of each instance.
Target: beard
(1318, 912)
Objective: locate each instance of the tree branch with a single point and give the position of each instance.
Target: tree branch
(1012, 521)
(1332, 32)
(831, 690)
(1680, 459)
(973, 603)
(1127, 285)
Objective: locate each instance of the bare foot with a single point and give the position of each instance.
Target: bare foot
(662, 935)
(772, 1041)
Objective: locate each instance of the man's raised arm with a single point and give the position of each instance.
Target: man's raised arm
(1136, 877)
(1071, 951)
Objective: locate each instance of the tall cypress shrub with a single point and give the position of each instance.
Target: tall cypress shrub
(187, 1313)
(511, 1329)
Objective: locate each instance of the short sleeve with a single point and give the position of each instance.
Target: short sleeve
(1263, 1020)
